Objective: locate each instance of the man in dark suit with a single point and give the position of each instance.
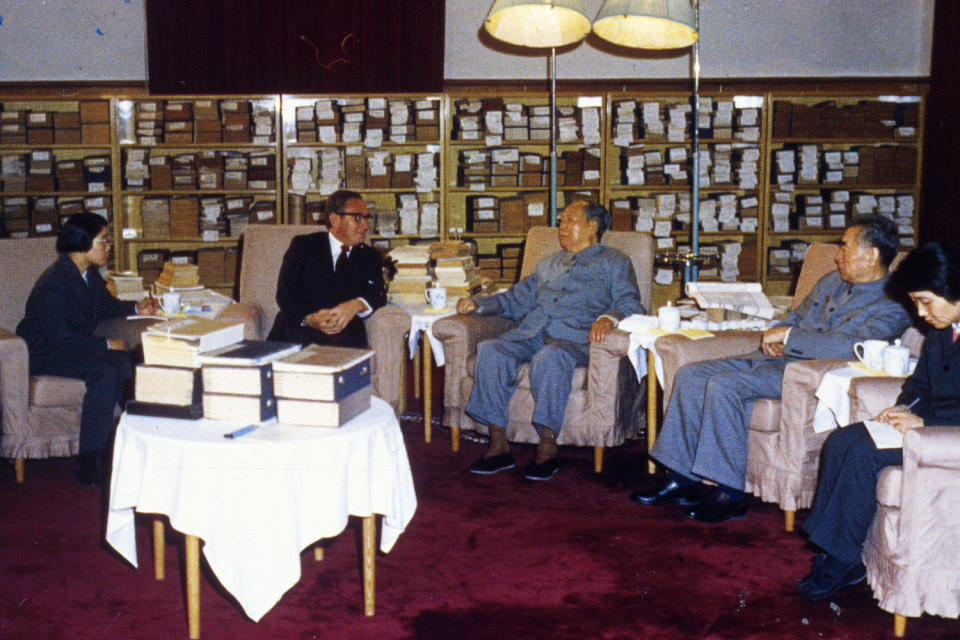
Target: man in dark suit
(330, 281)
(850, 462)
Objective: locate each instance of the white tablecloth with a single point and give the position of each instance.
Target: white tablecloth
(833, 400)
(259, 500)
(422, 317)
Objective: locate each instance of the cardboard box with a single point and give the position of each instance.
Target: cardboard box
(95, 133)
(94, 111)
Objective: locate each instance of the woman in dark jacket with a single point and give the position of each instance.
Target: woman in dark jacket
(62, 312)
(850, 462)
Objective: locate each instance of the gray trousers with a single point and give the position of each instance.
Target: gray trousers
(704, 430)
(551, 372)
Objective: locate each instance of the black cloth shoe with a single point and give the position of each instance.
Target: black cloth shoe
(493, 464)
(716, 506)
(815, 567)
(670, 492)
(543, 471)
(829, 577)
(87, 472)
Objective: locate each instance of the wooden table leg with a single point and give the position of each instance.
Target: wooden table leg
(416, 374)
(427, 389)
(193, 585)
(651, 406)
(369, 551)
(158, 548)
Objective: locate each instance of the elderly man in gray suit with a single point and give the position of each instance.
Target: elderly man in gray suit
(704, 434)
(575, 296)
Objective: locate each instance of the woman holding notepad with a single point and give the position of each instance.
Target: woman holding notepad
(850, 462)
(62, 312)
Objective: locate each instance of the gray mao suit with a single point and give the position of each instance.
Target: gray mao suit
(555, 307)
(705, 427)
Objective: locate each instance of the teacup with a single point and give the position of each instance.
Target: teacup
(170, 302)
(870, 353)
(436, 297)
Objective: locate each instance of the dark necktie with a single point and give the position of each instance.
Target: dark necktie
(342, 258)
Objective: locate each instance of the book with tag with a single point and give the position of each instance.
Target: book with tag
(322, 373)
(317, 413)
(161, 410)
(252, 380)
(234, 408)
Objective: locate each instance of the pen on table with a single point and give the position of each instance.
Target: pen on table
(240, 432)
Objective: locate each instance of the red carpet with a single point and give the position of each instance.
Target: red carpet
(485, 557)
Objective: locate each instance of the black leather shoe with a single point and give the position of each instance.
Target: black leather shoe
(716, 506)
(493, 464)
(670, 492)
(543, 471)
(830, 577)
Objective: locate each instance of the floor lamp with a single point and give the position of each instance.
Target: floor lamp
(541, 24)
(663, 24)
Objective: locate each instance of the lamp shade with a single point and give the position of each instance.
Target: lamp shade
(538, 23)
(647, 24)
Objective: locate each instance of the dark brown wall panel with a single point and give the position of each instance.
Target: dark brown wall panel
(286, 46)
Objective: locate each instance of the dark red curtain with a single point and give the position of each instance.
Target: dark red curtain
(941, 158)
(294, 46)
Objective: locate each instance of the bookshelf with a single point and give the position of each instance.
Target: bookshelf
(385, 147)
(781, 166)
(498, 168)
(193, 172)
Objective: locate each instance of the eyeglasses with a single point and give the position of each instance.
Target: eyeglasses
(105, 242)
(358, 217)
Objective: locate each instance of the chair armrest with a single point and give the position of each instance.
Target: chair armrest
(126, 329)
(386, 328)
(603, 370)
(798, 405)
(460, 336)
(871, 395)
(932, 447)
(14, 377)
(676, 350)
(247, 313)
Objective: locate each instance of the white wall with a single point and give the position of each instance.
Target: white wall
(738, 39)
(54, 40)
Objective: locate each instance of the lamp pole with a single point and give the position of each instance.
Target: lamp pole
(691, 270)
(553, 136)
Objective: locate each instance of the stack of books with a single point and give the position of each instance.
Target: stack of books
(413, 274)
(168, 383)
(177, 275)
(322, 386)
(455, 269)
(238, 380)
(179, 342)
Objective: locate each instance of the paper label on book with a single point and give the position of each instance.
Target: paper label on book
(128, 233)
(211, 235)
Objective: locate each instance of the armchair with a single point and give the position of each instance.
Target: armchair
(911, 549)
(784, 450)
(262, 252)
(595, 414)
(41, 414)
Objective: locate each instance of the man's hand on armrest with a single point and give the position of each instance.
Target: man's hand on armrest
(601, 328)
(774, 341)
(466, 306)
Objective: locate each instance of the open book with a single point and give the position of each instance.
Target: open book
(744, 297)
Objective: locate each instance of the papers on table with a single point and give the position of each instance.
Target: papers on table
(744, 297)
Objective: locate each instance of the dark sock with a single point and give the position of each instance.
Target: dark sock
(682, 480)
(734, 494)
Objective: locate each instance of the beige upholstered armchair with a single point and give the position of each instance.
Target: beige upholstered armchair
(262, 254)
(593, 414)
(784, 450)
(41, 414)
(912, 551)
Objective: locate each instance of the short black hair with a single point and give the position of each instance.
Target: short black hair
(933, 267)
(78, 232)
(880, 232)
(337, 200)
(596, 211)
